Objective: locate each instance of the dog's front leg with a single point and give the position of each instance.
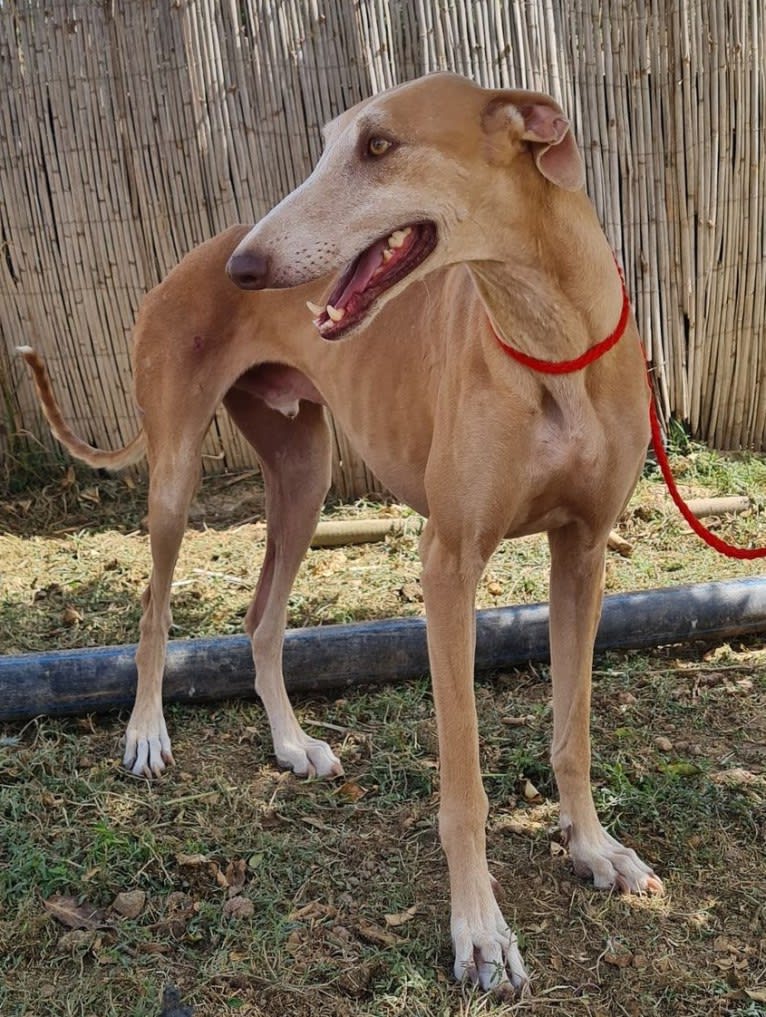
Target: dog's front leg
(173, 479)
(577, 573)
(486, 950)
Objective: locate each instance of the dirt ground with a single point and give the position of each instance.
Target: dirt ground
(254, 892)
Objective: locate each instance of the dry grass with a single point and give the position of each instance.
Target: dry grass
(324, 864)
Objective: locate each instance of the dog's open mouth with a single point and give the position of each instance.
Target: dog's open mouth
(372, 272)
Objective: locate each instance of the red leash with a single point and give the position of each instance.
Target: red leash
(593, 353)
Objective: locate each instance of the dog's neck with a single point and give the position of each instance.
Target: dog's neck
(556, 299)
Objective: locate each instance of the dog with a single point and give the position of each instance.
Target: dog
(457, 220)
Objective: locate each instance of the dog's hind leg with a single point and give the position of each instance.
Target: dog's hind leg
(577, 571)
(295, 456)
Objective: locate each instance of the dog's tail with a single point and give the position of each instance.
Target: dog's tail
(98, 458)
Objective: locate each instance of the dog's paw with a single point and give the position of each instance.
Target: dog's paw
(308, 757)
(611, 865)
(147, 748)
(487, 954)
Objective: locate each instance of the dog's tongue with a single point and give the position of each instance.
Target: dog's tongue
(363, 272)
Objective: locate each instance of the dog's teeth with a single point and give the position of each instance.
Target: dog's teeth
(398, 237)
(315, 309)
(388, 254)
(336, 313)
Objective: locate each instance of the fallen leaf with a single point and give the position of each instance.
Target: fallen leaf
(530, 791)
(75, 916)
(724, 963)
(758, 995)
(351, 791)
(393, 921)
(315, 909)
(76, 939)
(192, 861)
(735, 777)
(235, 876)
(70, 616)
(374, 934)
(723, 944)
(293, 943)
(238, 907)
(153, 948)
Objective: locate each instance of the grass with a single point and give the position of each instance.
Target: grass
(678, 772)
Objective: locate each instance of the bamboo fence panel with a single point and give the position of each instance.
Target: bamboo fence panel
(131, 132)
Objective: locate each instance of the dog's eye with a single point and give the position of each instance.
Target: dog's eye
(378, 146)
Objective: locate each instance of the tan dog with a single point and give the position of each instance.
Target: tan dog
(468, 203)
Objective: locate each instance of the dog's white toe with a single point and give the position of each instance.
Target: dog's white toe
(308, 757)
(487, 954)
(611, 865)
(147, 749)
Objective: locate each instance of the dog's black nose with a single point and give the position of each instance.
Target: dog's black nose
(250, 271)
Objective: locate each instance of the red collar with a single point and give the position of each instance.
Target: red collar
(569, 366)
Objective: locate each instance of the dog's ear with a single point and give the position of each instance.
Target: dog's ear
(538, 119)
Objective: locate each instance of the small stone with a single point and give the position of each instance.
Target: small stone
(129, 904)
(663, 744)
(619, 958)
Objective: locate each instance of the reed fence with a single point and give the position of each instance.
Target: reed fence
(129, 132)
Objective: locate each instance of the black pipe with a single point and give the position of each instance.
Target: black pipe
(337, 656)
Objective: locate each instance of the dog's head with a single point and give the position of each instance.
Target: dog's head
(432, 173)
